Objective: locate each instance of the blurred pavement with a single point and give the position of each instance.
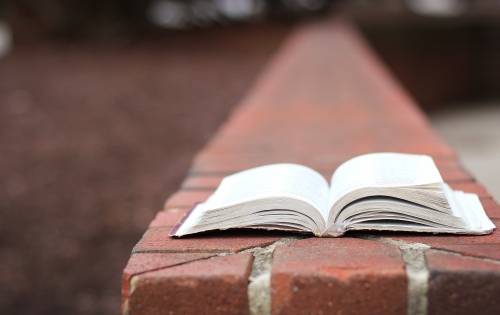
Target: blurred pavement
(474, 132)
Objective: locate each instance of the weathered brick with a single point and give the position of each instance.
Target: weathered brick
(157, 240)
(202, 182)
(186, 198)
(217, 286)
(489, 251)
(471, 187)
(483, 246)
(144, 262)
(342, 276)
(491, 207)
(448, 239)
(454, 174)
(462, 285)
(168, 217)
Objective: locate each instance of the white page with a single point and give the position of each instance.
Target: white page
(273, 181)
(383, 170)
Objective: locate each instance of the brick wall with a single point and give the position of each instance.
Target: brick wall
(324, 98)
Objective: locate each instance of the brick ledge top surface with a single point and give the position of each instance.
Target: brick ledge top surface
(323, 98)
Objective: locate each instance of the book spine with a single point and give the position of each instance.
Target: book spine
(335, 230)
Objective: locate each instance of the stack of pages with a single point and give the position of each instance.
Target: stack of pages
(378, 191)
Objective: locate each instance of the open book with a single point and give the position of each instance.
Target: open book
(378, 191)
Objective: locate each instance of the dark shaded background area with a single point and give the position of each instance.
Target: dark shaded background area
(442, 63)
(443, 52)
(94, 137)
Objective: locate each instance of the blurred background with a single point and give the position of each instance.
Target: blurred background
(103, 104)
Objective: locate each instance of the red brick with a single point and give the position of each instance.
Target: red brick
(482, 246)
(168, 217)
(186, 198)
(343, 276)
(471, 187)
(202, 182)
(144, 262)
(490, 251)
(449, 239)
(445, 162)
(455, 173)
(217, 285)
(158, 240)
(328, 106)
(462, 285)
(491, 207)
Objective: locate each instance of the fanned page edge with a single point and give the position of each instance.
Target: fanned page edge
(338, 230)
(476, 217)
(466, 205)
(188, 224)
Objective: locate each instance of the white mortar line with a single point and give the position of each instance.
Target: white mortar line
(418, 277)
(455, 253)
(259, 286)
(417, 274)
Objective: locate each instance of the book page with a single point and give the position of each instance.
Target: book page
(273, 181)
(383, 170)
